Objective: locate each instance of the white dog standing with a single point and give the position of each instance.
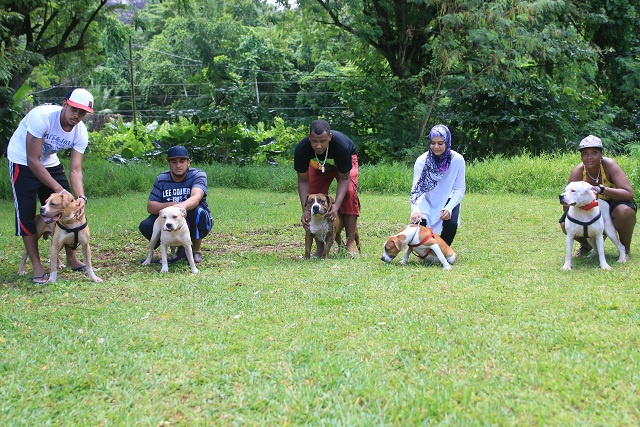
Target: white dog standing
(172, 230)
(589, 218)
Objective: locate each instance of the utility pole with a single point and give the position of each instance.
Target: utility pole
(133, 93)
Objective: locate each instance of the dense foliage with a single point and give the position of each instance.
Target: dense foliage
(231, 78)
(543, 176)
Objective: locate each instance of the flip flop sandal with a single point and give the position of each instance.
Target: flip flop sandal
(40, 280)
(81, 269)
(582, 251)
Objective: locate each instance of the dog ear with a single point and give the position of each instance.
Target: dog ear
(67, 199)
(183, 212)
(397, 242)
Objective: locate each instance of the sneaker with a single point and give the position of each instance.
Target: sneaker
(197, 257)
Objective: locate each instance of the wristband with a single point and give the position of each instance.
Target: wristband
(86, 200)
(602, 187)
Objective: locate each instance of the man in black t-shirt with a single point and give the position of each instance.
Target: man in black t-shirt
(186, 188)
(321, 157)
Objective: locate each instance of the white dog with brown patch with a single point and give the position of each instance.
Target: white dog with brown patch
(589, 218)
(423, 242)
(172, 230)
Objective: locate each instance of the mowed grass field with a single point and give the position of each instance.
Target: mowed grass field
(264, 337)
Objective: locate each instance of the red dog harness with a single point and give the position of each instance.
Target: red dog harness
(429, 236)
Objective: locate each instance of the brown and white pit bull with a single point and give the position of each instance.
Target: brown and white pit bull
(70, 231)
(321, 229)
(423, 242)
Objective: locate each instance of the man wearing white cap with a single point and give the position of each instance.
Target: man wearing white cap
(611, 184)
(35, 169)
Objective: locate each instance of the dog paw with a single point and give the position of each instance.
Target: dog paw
(96, 279)
(606, 267)
(566, 267)
(446, 267)
(164, 270)
(195, 271)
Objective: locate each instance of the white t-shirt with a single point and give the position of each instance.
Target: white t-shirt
(44, 122)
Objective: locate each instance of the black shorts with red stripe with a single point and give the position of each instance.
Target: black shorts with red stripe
(26, 188)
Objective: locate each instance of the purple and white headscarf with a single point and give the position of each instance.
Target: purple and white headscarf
(435, 166)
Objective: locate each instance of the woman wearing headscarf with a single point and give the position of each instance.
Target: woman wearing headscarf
(438, 185)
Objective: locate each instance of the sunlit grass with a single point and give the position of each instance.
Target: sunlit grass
(263, 337)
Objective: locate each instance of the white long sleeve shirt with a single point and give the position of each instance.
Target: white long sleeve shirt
(447, 194)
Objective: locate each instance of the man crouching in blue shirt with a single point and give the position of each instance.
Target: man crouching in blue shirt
(183, 187)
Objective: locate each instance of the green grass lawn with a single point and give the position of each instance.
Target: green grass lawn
(264, 337)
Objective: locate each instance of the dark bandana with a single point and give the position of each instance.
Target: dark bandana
(435, 166)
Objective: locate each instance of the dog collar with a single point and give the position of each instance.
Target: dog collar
(590, 205)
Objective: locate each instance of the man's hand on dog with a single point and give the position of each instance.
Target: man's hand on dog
(305, 220)
(332, 215)
(80, 204)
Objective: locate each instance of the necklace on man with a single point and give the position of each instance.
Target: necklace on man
(597, 178)
(326, 154)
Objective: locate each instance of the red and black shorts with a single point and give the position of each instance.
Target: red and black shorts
(26, 188)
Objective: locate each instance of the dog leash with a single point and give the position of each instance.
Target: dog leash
(75, 233)
(417, 225)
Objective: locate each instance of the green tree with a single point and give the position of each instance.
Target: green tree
(613, 27)
(40, 31)
(506, 75)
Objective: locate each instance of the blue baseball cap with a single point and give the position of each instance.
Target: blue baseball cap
(177, 152)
